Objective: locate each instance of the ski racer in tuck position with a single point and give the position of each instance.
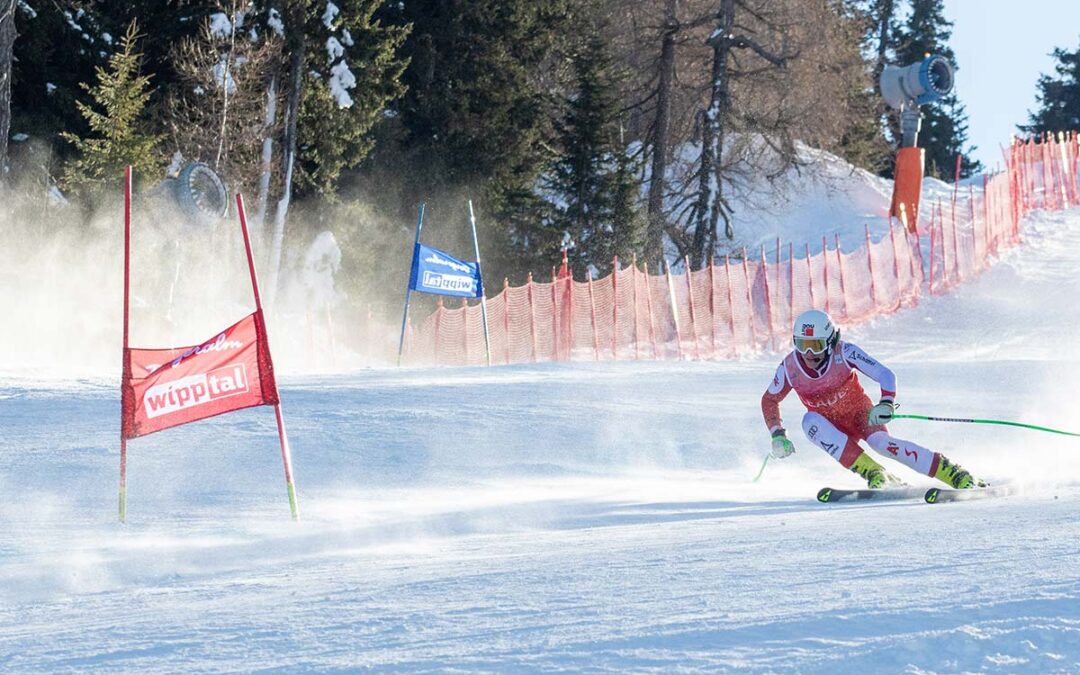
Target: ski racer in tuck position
(821, 370)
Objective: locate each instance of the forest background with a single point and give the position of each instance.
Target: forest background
(604, 128)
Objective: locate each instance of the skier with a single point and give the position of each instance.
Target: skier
(821, 370)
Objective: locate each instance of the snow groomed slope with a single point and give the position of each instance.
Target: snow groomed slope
(586, 516)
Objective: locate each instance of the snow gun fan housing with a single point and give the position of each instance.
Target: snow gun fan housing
(918, 83)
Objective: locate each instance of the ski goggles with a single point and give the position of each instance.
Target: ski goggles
(815, 345)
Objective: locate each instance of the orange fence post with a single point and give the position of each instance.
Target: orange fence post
(768, 300)
(870, 264)
(652, 317)
(465, 330)
(791, 281)
(506, 317)
(634, 276)
(438, 326)
(592, 314)
(731, 306)
(615, 308)
(674, 310)
(749, 299)
(532, 316)
(690, 300)
(712, 303)
(843, 285)
(555, 338)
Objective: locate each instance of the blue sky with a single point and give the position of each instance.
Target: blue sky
(1001, 49)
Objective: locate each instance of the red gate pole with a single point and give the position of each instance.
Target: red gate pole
(825, 265)
(810, 276)
(285, 455)
(125, 369)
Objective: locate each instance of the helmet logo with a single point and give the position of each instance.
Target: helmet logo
(808, 330)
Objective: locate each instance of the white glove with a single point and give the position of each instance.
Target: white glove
(882, 413)
(781, 446)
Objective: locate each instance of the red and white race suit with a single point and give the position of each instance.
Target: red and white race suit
(838, 408)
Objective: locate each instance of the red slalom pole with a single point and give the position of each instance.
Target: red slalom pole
(285, 458)
(126, 367)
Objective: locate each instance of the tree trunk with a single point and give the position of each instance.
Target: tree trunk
(294, 44)
(707, 209)
(267, 153)
(7, 45)
(654, 242)
(884, 19)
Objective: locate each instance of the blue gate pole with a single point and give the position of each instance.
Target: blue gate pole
(408, 286)
(479, 270)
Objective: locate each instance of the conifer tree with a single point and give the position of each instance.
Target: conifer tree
(1059, 97)
(592, 180)
(944, 127)
(116, 122)
(476, 120)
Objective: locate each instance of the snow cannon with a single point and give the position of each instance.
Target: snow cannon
(201, 194)
(195, 194)
(905, 88)
(919, 83)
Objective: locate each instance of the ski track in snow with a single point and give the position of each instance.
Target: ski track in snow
(594, 517)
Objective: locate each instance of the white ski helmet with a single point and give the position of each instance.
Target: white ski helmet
(814, 332)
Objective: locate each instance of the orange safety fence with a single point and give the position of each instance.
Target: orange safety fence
(746, 303)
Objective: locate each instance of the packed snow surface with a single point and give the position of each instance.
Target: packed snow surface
(578, 516)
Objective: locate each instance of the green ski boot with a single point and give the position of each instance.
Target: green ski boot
(876, 476)
(955, 475)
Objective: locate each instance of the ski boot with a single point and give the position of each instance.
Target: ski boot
(955, 475)
(876, 476)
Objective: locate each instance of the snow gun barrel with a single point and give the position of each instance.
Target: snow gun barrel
(974, 421)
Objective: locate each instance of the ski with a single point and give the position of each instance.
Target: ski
(829, 495)
(939, 495)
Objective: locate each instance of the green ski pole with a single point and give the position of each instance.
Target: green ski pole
(973, 421)
(762, 470)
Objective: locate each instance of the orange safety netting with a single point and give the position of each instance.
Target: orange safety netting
(747, 303)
